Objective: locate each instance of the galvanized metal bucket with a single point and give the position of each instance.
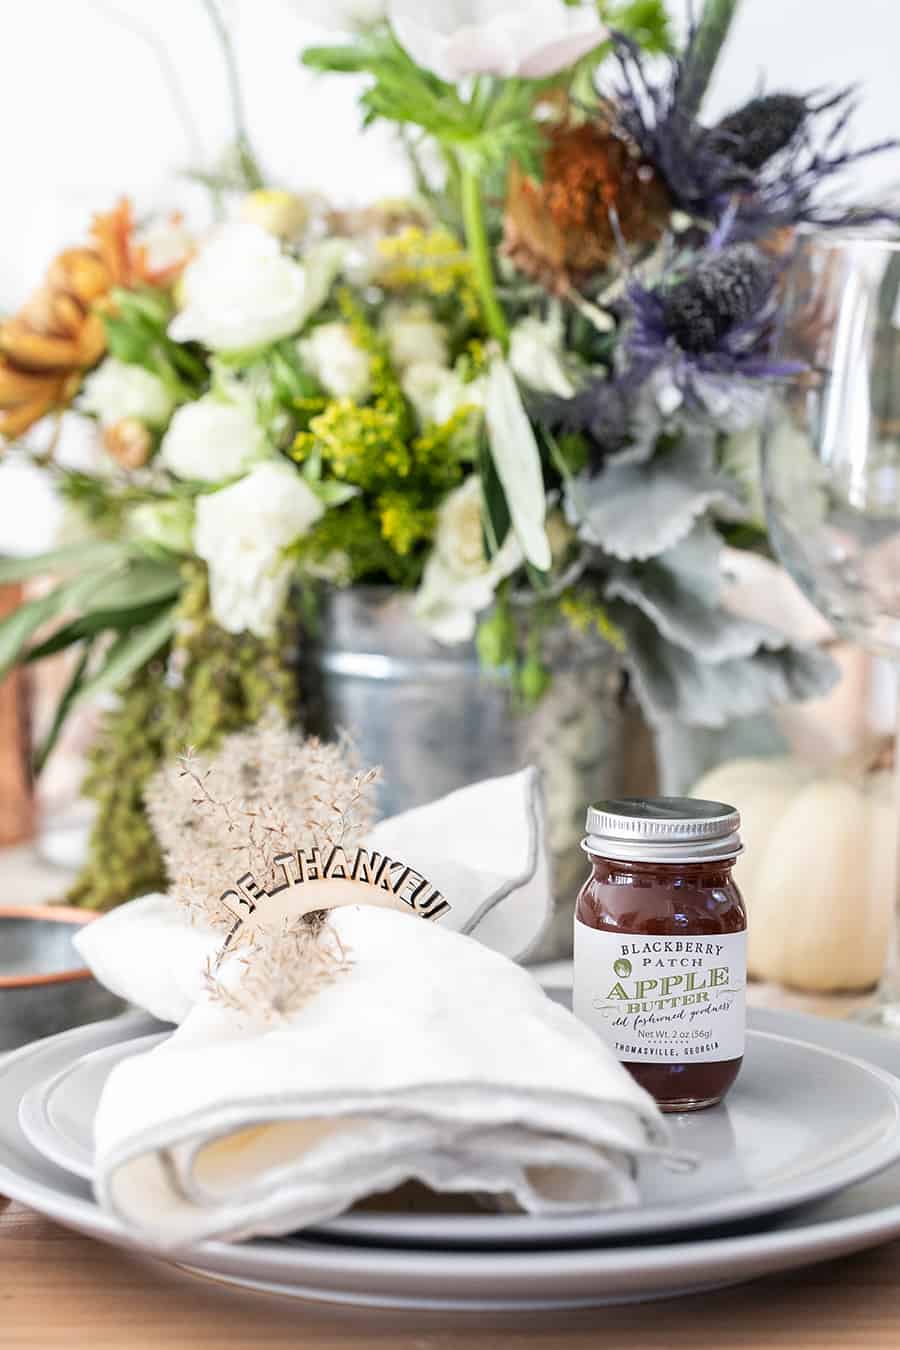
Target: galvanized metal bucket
(435, 722)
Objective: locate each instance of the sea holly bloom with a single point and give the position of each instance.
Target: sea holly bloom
(705, 334)
(759, 169)
(528, 39)
(605, 412)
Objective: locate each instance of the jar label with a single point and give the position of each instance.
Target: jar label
(662, 999)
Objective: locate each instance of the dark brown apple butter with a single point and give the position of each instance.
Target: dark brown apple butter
(660, 945)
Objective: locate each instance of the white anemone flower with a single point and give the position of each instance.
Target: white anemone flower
(530, 39)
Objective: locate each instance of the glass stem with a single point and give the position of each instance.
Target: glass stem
(889, 987)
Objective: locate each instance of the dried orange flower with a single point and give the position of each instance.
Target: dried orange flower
(58, 334)
(129, 442)
(562, 231)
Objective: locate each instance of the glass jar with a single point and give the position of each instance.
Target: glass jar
(661, 945)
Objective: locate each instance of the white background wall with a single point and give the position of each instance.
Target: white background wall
(87, 112)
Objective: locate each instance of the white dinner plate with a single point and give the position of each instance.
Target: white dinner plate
(57, 1116)
(858, 1217)
(800, 1123)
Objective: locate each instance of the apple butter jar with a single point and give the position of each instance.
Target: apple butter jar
(661, 945)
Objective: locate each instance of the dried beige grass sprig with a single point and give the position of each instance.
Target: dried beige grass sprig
(281, 970)
(266, 791)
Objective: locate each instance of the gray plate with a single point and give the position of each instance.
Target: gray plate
(801, 1123)
(859, 1217)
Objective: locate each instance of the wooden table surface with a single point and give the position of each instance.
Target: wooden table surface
(58, 1289)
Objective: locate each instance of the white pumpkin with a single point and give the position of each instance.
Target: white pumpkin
(818, 871)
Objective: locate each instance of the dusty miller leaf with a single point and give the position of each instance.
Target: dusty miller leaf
(636, 511)
(671, 682)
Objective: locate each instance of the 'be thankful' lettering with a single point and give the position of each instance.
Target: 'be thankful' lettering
(335, 864)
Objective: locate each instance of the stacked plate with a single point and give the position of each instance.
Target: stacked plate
(801, 1165)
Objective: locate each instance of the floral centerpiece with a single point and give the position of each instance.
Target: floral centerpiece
(523, 396)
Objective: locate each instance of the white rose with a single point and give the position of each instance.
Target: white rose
(413, 334)
(240, 291)
(211, 440)
(117, 390)
(169, 523)
(526, 38)
(459, 580)
(241, 532)
(535, 354)
(437, 393)
(340, 366)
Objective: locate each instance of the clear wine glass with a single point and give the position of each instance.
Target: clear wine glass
(831, 466)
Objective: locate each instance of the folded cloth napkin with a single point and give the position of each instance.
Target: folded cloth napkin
(427, 1057)
(484, 847)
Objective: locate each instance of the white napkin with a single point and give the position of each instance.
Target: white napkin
(484, 847)
(431, 1058)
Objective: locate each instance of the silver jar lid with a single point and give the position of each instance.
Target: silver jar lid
(663, 829)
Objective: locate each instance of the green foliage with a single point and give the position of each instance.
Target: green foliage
(349, 541)
(587, 614)
(405, 521)
(60, 561)
(510, 643)
(364, 445)
(136, 332)
(396, 475)
(432, 263)
(492, 127)
(102, 506)
(206, 684)
(116, 590)
(497, 520)
(646, 22)
(715, 21)
(497, 636)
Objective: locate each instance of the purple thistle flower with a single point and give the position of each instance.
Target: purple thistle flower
(762, 167)
(601, 411)
(708, 330)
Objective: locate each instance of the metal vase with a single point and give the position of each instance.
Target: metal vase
(435, 722)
